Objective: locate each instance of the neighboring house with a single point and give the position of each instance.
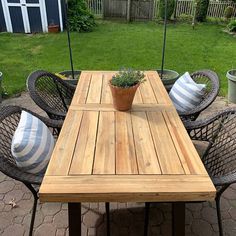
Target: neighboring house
(30, 16)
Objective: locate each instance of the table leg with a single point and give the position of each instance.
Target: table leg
(74, 215)
(178, 219)
(108, 217)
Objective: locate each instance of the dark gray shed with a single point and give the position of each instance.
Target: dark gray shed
(30, 16)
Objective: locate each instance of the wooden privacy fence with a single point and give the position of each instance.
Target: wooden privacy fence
(148, 9)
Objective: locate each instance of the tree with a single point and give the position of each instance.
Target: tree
(170, 8)
(79, 17)
(201, 10)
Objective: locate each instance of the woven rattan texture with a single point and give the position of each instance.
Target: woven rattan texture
(220, 156)
(50, 93)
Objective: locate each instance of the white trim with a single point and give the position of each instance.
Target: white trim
(43, 14)
(60, 15)
(20, 4)
(7, 16)
(25, 16)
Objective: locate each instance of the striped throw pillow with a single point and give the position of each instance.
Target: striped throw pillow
(186, 94)
(32, 144)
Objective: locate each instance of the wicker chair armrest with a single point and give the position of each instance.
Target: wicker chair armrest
(57, 124)
(193, 113)
(12, 171)
(224, 180)
(204, 129)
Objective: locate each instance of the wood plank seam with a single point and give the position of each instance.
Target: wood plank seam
(153, 142)
(190, 169)
(95, 143)
(152, 88)
(135, 151)
(90, 79)
(68, 170)
(101, 92)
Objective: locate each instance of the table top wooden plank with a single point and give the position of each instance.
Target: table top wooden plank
(167, 155)
(145, 150)
(159, 89)
(147, 92)
(109, 107)
(126, 162)
(95, 89)
(106, 94)
(104, 159)
(64, 148)
(144, 154)
(183, 144)
(82, 162)
(127, 188)
(82, 89)
(138, 97)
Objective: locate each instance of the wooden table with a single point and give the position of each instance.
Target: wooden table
(144, 155)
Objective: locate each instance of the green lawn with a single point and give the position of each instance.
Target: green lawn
(115, 45)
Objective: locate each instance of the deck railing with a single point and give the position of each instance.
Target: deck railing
(215, 9)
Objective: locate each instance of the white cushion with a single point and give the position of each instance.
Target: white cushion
(186, 94)
(32, 144)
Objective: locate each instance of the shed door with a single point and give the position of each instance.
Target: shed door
(27, 16)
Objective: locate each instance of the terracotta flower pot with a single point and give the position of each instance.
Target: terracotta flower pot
(53, 28)
(123, 97)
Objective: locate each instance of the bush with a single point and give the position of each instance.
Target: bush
(232, 26)
(201, 10)
(170, 8)
(185, 18)
(228, 12)
(79, 17)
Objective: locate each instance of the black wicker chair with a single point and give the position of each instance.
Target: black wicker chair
(9, 119)
(211, 80)
(50, 93)
(220, 156)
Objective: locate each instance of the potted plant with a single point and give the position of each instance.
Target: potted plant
(168, 78)
(231, 75)
(123, 86)
(67, 75)
(52, 28)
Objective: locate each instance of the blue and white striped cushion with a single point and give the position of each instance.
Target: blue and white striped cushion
(32, 144)
(186, 94)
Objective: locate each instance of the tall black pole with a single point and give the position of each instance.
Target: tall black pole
(164, 41)
(68, 37)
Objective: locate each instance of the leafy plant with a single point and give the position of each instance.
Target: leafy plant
(127, 78)
(185, 18)
(79, 17)
(201, 10)
(228, 13)
(232, 26)
(170, 8)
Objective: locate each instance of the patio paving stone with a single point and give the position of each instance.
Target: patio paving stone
(126, 218)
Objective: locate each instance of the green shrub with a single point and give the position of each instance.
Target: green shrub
(232, 26)
(170, 8)
(127, 78)
(185, 18)
(228, 13)
(79, 17)
(201, 10)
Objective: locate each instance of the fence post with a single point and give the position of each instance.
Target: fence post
(128, 10)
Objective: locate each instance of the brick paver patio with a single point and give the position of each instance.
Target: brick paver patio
(126, 218)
